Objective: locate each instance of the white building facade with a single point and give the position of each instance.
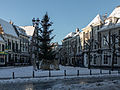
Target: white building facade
(14, 44)
(109, 42)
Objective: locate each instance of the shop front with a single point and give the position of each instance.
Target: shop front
(3, 58)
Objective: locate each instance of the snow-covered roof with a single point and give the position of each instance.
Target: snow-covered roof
(116, 12)
(71, 34)
(29, 30)
(8, 28)
(77, 33)
(21, 30)
(111, 22)
(97, 19)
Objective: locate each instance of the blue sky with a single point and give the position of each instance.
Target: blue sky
(66, 15)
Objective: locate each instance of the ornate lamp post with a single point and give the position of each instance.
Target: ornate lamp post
(35, 41)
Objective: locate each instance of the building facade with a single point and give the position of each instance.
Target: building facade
(71, 49)
(109, 42)
(90, 38)
(2, 51)
(98, 45)
(24, 45)
(14, 44)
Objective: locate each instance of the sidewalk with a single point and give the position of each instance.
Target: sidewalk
(28, 72)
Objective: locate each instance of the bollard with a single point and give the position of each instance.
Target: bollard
(109, 71)
(64, 72)
(100, 71)
(90, 72)
(33, 74)
(77, 72)
(49, 73)
(13, 75)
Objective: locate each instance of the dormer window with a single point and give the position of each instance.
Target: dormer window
(116, 20)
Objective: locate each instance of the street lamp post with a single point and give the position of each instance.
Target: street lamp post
(35, 41)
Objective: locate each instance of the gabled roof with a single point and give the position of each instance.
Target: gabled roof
(113, 20)
(97, 19)
(116, 12)
(71, 34)
(8, 28)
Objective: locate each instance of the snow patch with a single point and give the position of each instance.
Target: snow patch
(29, 30)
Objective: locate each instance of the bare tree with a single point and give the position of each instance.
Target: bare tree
(74, 50)
(112, 47)
(88, 47)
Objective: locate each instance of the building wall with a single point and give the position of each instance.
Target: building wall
(71, 47)
(16, 45)
(2, 53)
(108, 45)
(10, 48)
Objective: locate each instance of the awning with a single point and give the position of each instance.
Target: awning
(3, 53)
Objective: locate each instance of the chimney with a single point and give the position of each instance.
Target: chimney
(104, 17)
(77, 29)
(11, 22)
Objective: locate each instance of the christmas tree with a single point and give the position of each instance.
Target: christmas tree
(47, 55)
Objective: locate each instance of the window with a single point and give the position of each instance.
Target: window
(114, 39)
(16, 58)
(13, 46)
(105, 59)
(3, 47)
(95, 46)
(115, 59)
(105, 40)
(2, 60)
(95, 57)
(117, 40)
(9, 44)
(16, 45)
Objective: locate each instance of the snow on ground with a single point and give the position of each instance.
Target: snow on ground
(6, 72)
(81, 84)
(27, 71)
(106, 85)
(19, 71)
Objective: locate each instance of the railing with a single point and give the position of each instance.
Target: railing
(50, 73)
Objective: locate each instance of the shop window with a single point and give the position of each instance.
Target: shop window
(1, 60)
